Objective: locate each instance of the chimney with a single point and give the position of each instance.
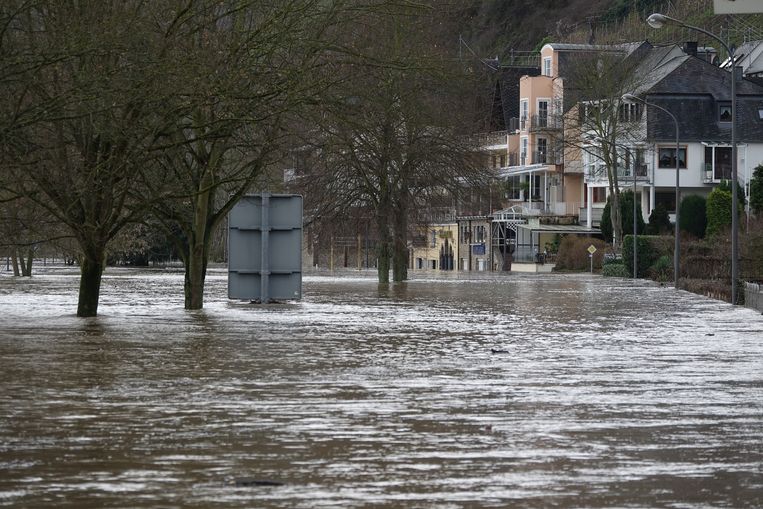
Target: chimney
(690, 48)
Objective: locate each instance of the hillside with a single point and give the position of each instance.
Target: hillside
(496, 27)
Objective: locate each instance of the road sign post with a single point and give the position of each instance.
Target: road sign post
(265, 248)
(591, 251)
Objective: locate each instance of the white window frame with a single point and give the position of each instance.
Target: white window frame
(538, 141)
(546, 100)
(546, 66)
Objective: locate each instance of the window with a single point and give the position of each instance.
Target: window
(599, 194)
(629, 112)
(724, 113)
(667, 158)
(718, 162)
(641, 169)
(503, 160)
(523, 152)
(760, 113)
(667, 200)
(543, 113)
(542, 145)
(433, 242)
(479, 234)
(514, 188)
(465, 234)
(524, 111)
(535, 187)
(547, 66)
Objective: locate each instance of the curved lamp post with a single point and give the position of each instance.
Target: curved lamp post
(677, 256)
(658, 20)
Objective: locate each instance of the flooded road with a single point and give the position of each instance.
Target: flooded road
(497, 391)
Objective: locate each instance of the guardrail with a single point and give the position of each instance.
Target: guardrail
(753, 296)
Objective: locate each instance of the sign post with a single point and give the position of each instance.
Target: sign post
(265, 248)
(591, 251)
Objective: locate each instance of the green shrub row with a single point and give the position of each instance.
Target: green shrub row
(650, 249)
(614, 270)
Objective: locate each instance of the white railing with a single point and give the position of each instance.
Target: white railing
(753, 296)
(596, 214)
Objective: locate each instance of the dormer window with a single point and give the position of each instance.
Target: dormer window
(724, 113)
(629, 112)
(547, 66)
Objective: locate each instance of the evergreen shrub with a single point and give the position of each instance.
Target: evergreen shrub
(650, 248)
(662, 269)
(659, 221)
(693, 215)
(614, 270)
(718, 211)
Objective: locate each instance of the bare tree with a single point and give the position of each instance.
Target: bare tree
(390, 132)
(245, 70)
(601, 123)
(84, 91)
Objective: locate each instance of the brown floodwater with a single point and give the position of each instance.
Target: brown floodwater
(467, 391)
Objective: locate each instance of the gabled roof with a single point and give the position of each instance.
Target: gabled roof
(655, 66)
(625, 48)
(749, 56)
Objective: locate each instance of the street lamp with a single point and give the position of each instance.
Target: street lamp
(677, 256)
(658, 20)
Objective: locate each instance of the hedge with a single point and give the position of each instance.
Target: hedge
(650, 249)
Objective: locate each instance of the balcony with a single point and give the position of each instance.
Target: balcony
(545, 123)
(642, 173)
(712, 175)
(596, 213)
(552, 155)
(598, 173)
(492, 139)
(519, 124)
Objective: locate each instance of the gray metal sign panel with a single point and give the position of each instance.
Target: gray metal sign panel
(265, 248)
(737, 6)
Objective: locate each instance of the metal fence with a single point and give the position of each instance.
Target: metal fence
(753, 296)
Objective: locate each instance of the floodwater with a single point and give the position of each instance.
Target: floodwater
(490, 391)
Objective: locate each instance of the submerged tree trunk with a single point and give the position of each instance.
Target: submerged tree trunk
(400, 243)
(195, 275)
(15, 261)
(26, 268)
(195, 258)
(384, 248)
(383, 253)
(91, 268)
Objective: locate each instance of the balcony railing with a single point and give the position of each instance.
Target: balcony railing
(552, 155)
(545, 122)
(491, 139)
(721, 172)
(624, 174)
(596, 213)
